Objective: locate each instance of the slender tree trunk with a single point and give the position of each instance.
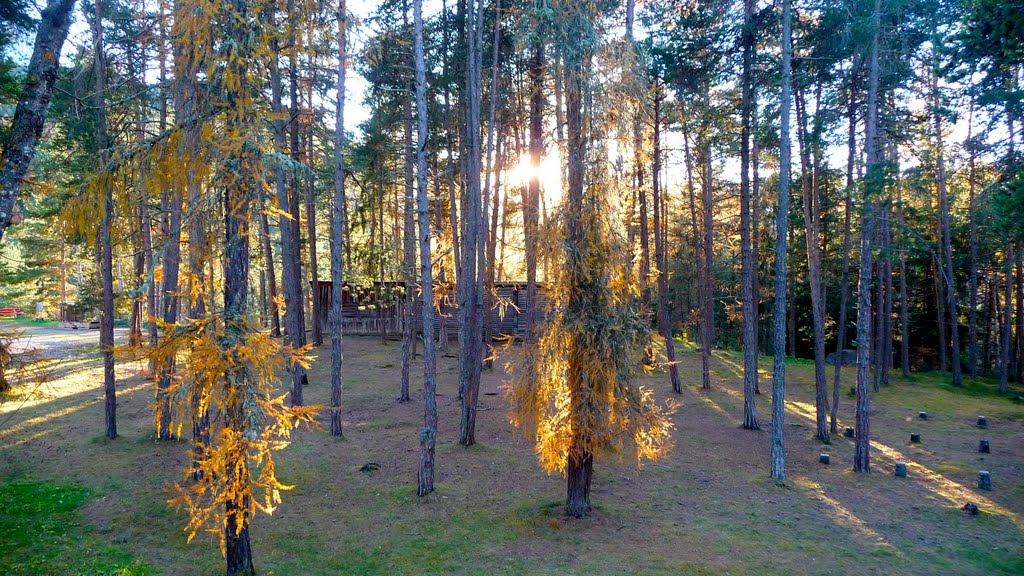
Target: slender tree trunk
(338, 224)
(535, 73)
(644, 222)
(442, 282)
(20, 139)
(811, 208)
(470, 293)
(707, 319)
(450, 144)
(755, 239)
(992, 302)
(748, 264)
(791, 303)
(106, 254)
(408, 238)
(147, 247)
(1015, 354)
(1005, 344)
(294, 189)
(885, 361)
(268, 264)
(314, 272)
(139, 258)
(237, 198)
(862, 456)
(695, 298)
(289, 226)
(972, 272)
(947, 245)
(425, 479)
(660, 258)
(844, 284)
(778, 454)
(904, 297)
(171, 261)
(486, 251)
(187, 110)
(492, 245)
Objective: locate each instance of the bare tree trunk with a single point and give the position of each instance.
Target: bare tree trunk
(992, 303)
(778, 454)
(450, 141)
(442, 332)
(660, 258)
(947, 245)
(755, 240)
(791, 304)
(291, 277)
(268, 264)
(904, 297)
(314, 272)
(811, 207)
(972, 272)
(338, 224)
(844, 283)
(19, 144)
(425, 478)
(487, 251)
(940, 308)
(173, 197)
(747, 39)
(862, 455)
(408, 237)
(470, 276)
(106, 255)
(1005, 345)
(886, 310)
(294, 189)
(694, 227)
(707, 321)
(535, 72)
(1020, 317)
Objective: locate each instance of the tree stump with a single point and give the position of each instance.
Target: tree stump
(922, 415)
(901, 469)
(984, 480)
(853, 390)
(848, 432)
(915, 438)
(823, 458)
(983, 446)
(982, 422)
(971, 508)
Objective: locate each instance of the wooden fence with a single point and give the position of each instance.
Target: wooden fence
(379, 308)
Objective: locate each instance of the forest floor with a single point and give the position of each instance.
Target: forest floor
(72, 502)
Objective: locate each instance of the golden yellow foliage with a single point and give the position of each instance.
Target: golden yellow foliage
(573, 386)
(235, 379)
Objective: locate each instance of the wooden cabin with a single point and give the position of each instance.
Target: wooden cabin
(379, 308)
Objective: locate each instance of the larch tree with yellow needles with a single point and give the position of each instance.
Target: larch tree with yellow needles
(573, 390)
(227, 366)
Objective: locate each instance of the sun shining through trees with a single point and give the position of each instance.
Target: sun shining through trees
(549, 173)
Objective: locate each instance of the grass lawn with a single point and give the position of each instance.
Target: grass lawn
(72, 502)
(25, 321)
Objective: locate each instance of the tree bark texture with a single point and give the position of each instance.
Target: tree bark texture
(19, 148)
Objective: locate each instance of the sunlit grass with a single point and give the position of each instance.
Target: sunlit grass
(41, 532)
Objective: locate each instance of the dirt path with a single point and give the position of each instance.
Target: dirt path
(54, 342)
